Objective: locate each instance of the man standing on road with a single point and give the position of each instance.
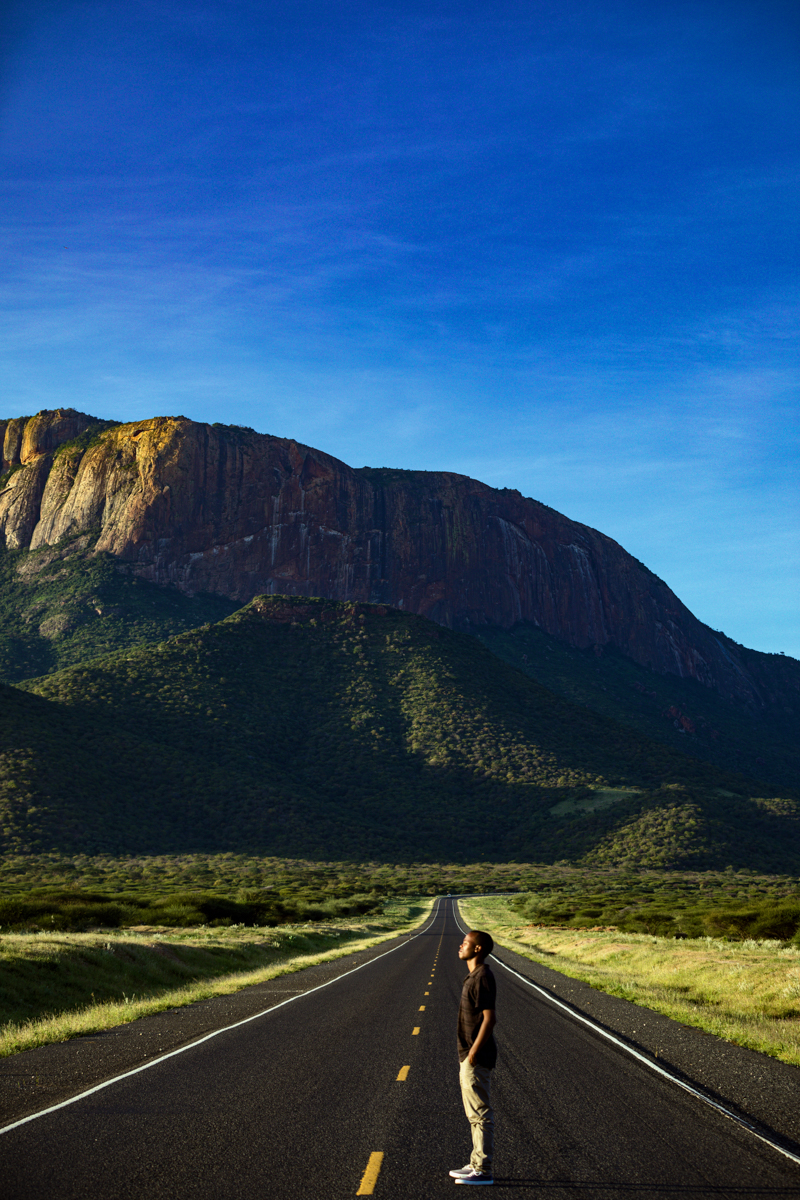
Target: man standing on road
(477, 1054)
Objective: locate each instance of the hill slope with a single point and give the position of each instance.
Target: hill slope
(66, 605)
(681, 713)
(353, 731)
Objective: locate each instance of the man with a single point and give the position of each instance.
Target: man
(477, 1054)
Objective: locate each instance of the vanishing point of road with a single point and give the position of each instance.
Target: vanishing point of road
(352, 1089)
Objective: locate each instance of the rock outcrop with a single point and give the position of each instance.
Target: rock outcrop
(31, 442)
(226, 510)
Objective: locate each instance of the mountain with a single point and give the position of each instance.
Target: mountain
(67, 604)
(307, 727)
(226, 511)
(123, 535)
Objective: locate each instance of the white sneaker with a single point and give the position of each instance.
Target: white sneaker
(474, 1177)
(460, 1172)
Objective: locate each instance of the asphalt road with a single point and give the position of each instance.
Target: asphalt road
(296, 1103)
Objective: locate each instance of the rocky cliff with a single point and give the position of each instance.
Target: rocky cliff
(226, 510)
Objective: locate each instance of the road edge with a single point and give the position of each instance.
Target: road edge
(102, 1080)
(776, 1139)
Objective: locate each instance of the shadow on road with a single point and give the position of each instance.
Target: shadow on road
(642, 1191)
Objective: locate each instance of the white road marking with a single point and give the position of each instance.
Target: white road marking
(687, 1087)
(214, 1033)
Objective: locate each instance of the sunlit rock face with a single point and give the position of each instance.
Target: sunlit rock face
(226, 510)
(30, 443)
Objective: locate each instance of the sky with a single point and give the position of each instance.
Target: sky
(552, 246)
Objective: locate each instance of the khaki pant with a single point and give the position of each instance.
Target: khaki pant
(475, 1092)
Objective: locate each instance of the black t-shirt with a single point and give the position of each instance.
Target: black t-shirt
(479, 992)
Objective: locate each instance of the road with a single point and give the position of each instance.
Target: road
(299, 1102)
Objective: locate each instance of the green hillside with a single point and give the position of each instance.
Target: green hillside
(681, 713)
(309, 728)
(63, 605)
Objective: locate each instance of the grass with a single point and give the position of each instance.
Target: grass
(745, 992)
(74, 909)
(228, 874)
(52, 891)
(731, 905)
(56, 987)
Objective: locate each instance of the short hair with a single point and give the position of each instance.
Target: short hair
(484, 940)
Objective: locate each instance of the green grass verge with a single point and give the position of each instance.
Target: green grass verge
(55, 987)
(746, 992)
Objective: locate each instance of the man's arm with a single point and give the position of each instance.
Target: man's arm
(487, 1025)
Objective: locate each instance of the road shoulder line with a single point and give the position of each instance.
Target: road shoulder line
(671, 1076)
(214, 1033)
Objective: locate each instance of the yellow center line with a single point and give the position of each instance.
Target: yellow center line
(371, 1174)
(415, 1030)
(403, 1074)
(427, 993)
(422, 1008)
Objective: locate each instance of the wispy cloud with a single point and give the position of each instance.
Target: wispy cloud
(555, 255)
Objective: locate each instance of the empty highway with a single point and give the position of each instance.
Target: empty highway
(353, 1089)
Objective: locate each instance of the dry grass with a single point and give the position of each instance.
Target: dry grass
(745, 992)
(151, 971)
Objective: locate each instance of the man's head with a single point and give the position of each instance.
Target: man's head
(476, 945)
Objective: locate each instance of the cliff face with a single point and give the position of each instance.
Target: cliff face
(30, 442)
(226, 510)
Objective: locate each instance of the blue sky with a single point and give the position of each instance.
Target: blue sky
(554, 246)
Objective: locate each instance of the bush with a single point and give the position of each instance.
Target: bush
(74, 913)
(634, 911)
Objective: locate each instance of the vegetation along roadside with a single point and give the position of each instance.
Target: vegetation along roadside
(746, 991)
(718, 949)
(62, 985)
